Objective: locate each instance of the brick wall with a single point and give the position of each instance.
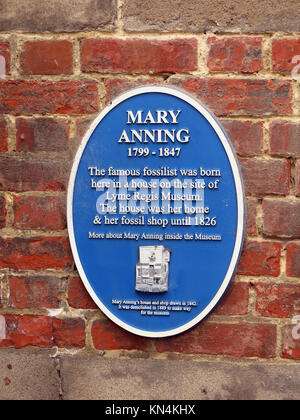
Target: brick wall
(62, 68)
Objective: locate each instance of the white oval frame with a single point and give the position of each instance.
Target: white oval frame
(240, 206)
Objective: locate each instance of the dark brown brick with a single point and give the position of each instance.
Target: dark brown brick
(33, 173)
(281, 218)
(35, 292)
(42, 135)
(285, 138)
(263, 177)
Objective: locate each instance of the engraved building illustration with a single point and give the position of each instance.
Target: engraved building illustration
(152, 270)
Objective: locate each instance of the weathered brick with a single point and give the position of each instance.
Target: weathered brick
(285, 138)
(281, 218)
(57, 16)
(5, 52)
(252, 204)
(78, 296)
(139, 55)
(297, 179)
(115, 87)
(263, 177)
(238, 340)
(2, 212)
(3, 136)
(277, 300)
(246, 136)
(283, 52)
(225, 97)
(47, 57)
(239, 55)
(36, 253)
(43, 331)
(42, 213)
(235, 300)
(42, 135)
(28, 330)
(109, 336)
(33, 173)
(69, 332)
(35, 292)
(260, 259)
(240, 97)
(293, 259)
(48, 97)
(290, 345)
(215, 16)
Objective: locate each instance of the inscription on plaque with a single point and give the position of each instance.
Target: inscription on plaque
(156, 211)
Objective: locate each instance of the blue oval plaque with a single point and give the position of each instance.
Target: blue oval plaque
(155, 211)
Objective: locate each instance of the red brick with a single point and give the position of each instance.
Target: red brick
(260, 259)
(109, 336)
(235, 300)
(47, 57)
(69, 332)
(5, 52)
(240, 55)
(224, 97)
(290, 345)
(297, 179)
(115, 87)
(241, 96)
(47, 97)
(262, 177)
(78, 296)
(238, 340)
(36, 253)
(35, 292)
(246, 136)
(281, 218)
(42, 213)
(42, 135)
(251, 216)
(277, 300)
(293, 259)
(139, 55)
(285, 139)
(2, 212)
(43, 331)
(33, 173)
(283, 51)
(3, 136)
(28, 330)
